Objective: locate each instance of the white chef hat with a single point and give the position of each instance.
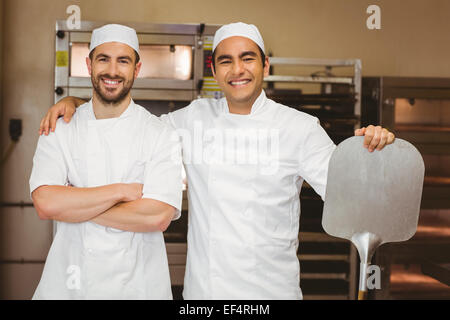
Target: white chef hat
(114, 33)
(240, 29)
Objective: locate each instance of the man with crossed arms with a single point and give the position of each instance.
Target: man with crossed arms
(111, 179)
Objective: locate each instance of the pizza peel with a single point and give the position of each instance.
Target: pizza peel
(373, 197)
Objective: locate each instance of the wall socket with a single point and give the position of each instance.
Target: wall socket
(15, 129)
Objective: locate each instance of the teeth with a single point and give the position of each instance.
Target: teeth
(111, 82)
(237, 83)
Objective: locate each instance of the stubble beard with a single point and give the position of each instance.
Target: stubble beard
(117, 99)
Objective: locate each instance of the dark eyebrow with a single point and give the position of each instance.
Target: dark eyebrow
(243, 54)
(102, 55)
(248, 53)
(126, 58)
(223, 57)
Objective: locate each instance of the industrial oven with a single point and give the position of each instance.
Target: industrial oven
(417, 110)
(176, 61)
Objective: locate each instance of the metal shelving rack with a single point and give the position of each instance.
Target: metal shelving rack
(327, 65)
(329, 266)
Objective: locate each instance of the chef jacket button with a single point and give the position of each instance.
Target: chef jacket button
(90, 250)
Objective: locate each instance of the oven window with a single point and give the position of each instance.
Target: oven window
(78, 54)
(422, 112)
(158, 61)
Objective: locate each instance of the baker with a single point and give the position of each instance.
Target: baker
(111, 179)
(246, 158)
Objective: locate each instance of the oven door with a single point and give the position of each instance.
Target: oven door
(171, 56)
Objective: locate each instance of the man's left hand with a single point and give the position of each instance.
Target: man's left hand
(375, 137)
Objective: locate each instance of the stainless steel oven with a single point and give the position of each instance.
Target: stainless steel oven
(416, 109)
(175, 60)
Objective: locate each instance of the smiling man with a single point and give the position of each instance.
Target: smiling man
(240, 76)
(111, 178)
(109, 89)
(245, 181)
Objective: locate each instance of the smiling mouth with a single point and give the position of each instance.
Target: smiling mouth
(109, 83)
(237, 83)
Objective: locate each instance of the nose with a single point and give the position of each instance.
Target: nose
(238, 67)
(112, 69)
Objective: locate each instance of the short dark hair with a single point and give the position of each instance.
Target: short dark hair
(91, 54)
(263, 57)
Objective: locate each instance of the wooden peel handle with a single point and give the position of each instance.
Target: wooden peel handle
(362, 295)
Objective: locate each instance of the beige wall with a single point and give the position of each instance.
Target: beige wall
(413, 41)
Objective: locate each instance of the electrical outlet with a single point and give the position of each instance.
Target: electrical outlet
(15, 129)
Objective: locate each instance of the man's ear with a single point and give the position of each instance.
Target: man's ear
(213, 72)
(266, 66)
(89, 65)
(137, 69)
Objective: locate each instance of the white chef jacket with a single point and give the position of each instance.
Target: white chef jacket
(90, 261)
(244, 175)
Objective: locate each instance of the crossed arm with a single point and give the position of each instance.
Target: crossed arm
(118, 206)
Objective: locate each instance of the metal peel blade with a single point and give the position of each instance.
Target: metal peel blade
(373, 198)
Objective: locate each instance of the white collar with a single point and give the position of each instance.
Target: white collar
(124, 114)
(257, 105)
